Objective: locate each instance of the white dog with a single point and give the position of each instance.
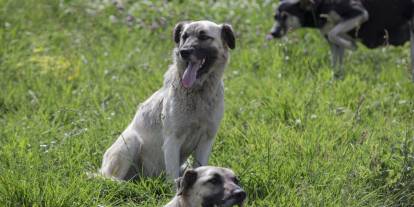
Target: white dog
(181, 118)
(208, 187)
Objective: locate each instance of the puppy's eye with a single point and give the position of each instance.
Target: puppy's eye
(236, 181)
(283, 15)
(185, 36)
(216, 180)
(203, 37)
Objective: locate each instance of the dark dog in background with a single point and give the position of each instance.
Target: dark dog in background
(374, 22)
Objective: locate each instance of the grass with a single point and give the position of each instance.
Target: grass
(72, 73)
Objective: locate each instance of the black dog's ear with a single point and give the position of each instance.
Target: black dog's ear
(184, 183)
(228, 35)
(177, 31)
(307, 4)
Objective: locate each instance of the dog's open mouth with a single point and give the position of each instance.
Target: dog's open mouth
(192, 72)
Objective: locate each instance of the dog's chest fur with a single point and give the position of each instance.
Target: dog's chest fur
(193, 115)
(194, 111)
(203, 117)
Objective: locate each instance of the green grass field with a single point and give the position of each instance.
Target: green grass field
(72, 73)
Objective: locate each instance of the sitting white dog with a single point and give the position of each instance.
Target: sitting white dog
(181, 118)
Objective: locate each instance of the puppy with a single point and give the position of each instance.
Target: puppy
(208, 187)
(181, 118)
(376, 23)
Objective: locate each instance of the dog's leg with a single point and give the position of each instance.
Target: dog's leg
(202, 152)
(121, 156)
(340, 66)
(337, 60)
(338, 34)
(334, 56)
(412, 47)
(171, 149)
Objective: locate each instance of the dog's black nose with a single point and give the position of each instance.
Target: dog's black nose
(239, 195)
(278, 32)
(185, 53)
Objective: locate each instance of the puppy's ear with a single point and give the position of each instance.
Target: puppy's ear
(307, 4)
(177, 31)
(228, 36)
(186, 182)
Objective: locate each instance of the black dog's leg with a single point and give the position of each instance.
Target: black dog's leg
(412, 47)
(338, 34)
(338, 53)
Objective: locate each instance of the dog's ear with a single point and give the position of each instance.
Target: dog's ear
(184, 183)
(177, 31)
(307, 4)
(228, 36)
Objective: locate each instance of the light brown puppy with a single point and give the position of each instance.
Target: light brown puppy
(208, 187)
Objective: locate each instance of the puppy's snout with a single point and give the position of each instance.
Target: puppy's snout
(239, 195)
(277, 31)
(185, 53)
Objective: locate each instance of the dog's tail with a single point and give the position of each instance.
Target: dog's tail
(92, 175)
(99, 175)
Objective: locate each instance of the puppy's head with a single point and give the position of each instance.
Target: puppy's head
(290, 15)
(211, 186)
(201, 46)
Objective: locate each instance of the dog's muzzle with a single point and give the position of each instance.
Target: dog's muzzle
(277, 32)
(186, 53)
(236, 198)
(194, 64)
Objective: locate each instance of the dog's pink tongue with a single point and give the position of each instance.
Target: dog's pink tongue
(190, 74)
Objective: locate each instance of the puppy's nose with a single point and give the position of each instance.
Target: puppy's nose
(239, 195)
(185, 53)
(277, 32)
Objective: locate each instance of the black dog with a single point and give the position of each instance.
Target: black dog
(374, 22)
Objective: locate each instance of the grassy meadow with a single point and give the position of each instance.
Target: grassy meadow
(72, 73)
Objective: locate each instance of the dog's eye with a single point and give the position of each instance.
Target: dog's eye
(236, 181)
(216, 180)
(185, 36)
(203, 37)
(283, 15)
